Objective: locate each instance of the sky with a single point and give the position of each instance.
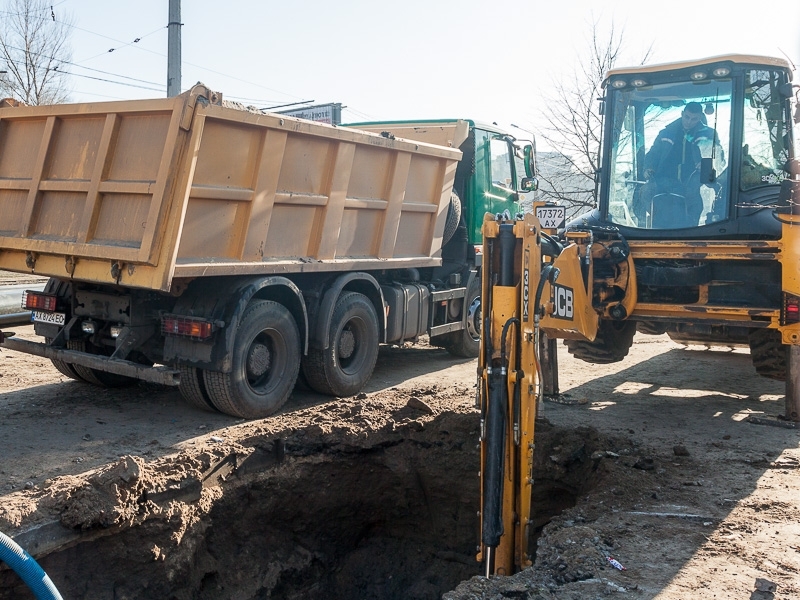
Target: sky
(488, 60)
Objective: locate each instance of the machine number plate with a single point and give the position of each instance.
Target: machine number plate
(551, 217)
(46, 317)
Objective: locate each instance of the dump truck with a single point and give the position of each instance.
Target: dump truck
(197, 243)
(711, 256)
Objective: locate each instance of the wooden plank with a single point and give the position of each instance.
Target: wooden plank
(213, 192)
(329, 226)
(301, 199)
(395, 195)
(91, 208)
(36, 178)
(258, 218)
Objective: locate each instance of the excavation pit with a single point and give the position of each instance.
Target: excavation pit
(361, 501)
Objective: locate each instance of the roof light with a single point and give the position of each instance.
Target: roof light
(618, 83)
(638, 83)
(698, 76)
(721, 72)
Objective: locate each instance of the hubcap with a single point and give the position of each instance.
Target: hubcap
(347, 344)
(474, 319)
(258, 359)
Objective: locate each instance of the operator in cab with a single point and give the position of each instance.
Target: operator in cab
(672, 165)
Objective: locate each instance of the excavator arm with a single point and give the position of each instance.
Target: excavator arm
(531, 285)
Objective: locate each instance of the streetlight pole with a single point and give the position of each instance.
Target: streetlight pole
(174, 49)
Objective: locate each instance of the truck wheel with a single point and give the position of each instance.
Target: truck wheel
(453, 217)
(614, 340)
(64, 368)
(94, 376)
(193, 388)
(466, 343)
(264, 364)
(768, 353)
(344, 368)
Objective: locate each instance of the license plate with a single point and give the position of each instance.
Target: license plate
(48, 317)
(551, 217)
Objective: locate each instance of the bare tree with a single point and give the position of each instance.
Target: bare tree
(35, 49)
(573, 123)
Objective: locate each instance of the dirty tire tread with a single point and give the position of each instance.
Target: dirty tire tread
(64, 368)
(453, 217)
(768, 353)
(95, 376)
(224, 388)
(319, 366)
(614, 340)
(193, 389)
(460, 343)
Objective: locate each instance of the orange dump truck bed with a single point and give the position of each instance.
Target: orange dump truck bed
(142, 192)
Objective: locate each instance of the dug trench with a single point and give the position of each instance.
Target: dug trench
(344, 503)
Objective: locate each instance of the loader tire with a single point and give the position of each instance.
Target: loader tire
(345, 366)
(614, 340)
(193, 388)
(768, 353)
(264, 363)
(466, 343)
(651, 327)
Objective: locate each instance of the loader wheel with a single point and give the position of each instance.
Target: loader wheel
(64, 368)
(651, 327)
(95, 376)
(466, 343)
(345, 366)
(614, 340)
(264, 364)
(193, 388)
(768, 353)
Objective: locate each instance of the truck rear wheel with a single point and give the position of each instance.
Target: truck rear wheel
(64, 368)
(95, 376)
(345, 366)
(193, 388)
(265, 361)
(614, 340)
(768, 353)
(466, 343)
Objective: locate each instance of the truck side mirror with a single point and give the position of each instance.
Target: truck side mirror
(529, 184)
(707, 172)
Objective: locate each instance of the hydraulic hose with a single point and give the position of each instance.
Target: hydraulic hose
(28, 569)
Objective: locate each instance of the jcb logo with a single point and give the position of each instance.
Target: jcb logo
(563, 302)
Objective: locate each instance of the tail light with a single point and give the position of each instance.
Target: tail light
(191, 327)
(790, 311)
(38, 301)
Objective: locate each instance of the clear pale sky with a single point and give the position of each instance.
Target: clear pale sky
(488, 60)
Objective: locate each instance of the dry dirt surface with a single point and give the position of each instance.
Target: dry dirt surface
(671, 462)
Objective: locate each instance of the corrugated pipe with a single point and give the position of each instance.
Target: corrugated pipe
(28, 569)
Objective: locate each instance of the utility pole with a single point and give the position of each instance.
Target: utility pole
(174, 49)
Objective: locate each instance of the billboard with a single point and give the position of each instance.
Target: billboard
(322, 113)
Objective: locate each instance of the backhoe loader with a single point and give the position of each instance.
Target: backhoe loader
(708, 255)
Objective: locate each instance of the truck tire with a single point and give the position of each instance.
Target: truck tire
(345, 366)
(614, 340)
(768, 353)
(193, 388)
(94, 376)
(453, 217)
(466, 343)
(62, 289)
(264, 363)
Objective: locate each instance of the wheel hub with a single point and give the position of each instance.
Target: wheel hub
(258, 360)
(474, 319)
(347, 344)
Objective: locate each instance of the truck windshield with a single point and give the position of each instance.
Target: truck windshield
(659, 136)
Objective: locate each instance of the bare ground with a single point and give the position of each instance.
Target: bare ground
(655, 461)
